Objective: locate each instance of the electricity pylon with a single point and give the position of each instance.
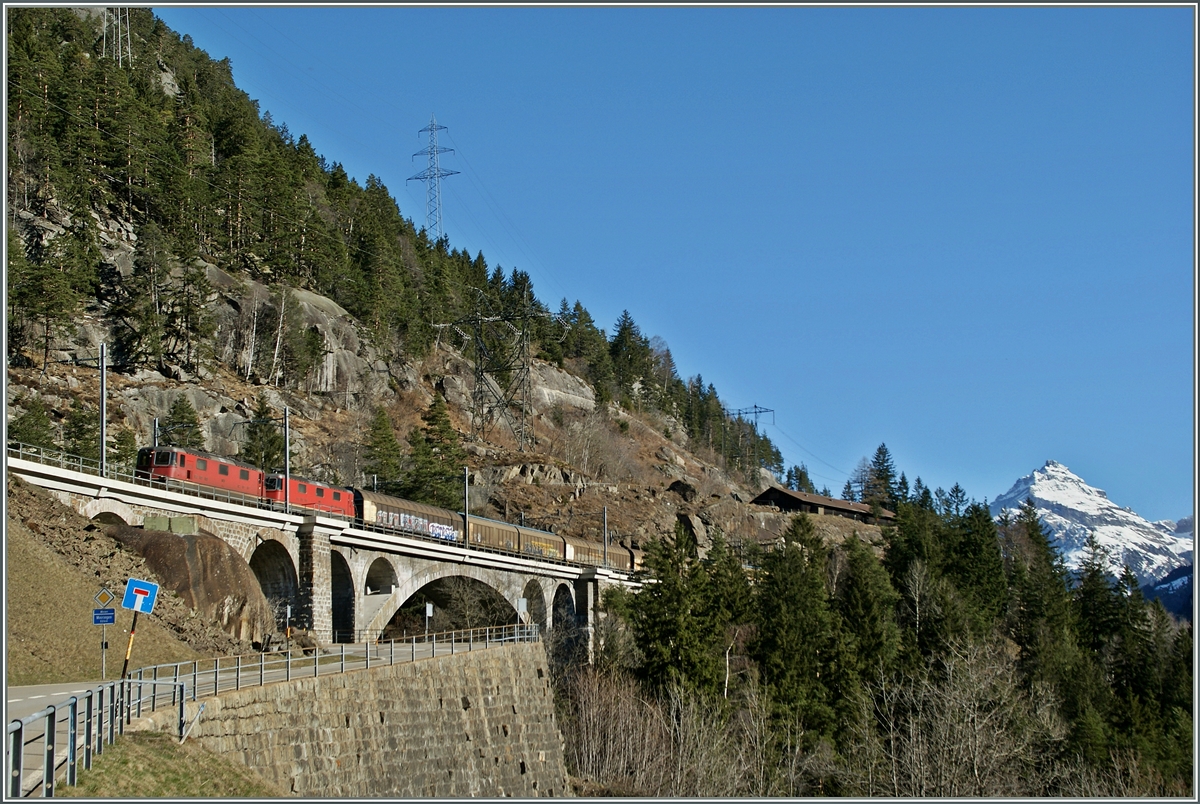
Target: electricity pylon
(432, 176)
(500, 344)
(117, 44)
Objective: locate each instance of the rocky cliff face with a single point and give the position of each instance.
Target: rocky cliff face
(582, 462)
(207, 575)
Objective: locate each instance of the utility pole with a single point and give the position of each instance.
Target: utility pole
(287, 463)
(432, 176)
(103, 409)
(606, 535)
(756, 411)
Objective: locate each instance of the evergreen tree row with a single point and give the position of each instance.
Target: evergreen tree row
(843, 641)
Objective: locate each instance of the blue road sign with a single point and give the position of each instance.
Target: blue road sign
(140, 596)
(104, 616)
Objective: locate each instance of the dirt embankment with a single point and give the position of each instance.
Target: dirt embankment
(55, 562)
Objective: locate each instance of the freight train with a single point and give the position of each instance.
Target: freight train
(371, 510)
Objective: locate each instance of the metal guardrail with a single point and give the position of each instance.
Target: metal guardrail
(43, 747)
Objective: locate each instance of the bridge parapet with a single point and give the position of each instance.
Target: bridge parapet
(315, 544)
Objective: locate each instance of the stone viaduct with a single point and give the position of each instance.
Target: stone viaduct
(344, 582)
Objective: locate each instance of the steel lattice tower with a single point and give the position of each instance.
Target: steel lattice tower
(432, 176)
(117, 44)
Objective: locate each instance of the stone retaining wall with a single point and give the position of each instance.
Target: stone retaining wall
(474, 724)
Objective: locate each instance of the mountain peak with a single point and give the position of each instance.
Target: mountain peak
(1071, 510)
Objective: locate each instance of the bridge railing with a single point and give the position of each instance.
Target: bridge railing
(78, 463)
(52, 743)
(45, 746)
(91, 466)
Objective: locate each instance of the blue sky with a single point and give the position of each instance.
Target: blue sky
(963, 232)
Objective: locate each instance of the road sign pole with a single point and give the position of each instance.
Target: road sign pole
(129, 648)
(103, 653)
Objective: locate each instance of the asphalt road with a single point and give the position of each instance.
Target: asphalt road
(22, 701)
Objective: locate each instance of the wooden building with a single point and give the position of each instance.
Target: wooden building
(797, 502)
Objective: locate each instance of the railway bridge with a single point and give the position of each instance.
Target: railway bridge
(342, 581)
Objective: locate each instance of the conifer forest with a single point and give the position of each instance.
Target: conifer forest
(956, 657)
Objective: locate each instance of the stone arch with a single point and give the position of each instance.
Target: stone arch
(536, 602)
(111, 512)
(566, 641)
(272, 564)
(438, 581)
(564, 608)
(381, 577)
(341, 597)
(436, 571)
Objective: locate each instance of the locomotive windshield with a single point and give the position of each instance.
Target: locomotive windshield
(164, 458)
(274, 482)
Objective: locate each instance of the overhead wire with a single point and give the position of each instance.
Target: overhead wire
(812, 454)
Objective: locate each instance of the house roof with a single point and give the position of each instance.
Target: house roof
(786, 498)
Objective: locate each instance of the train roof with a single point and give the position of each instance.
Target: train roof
(199, 453)
(511, 525)
(400, 502)
(300, 479)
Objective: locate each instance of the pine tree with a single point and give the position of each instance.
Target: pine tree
(881, 480)
(799, 646)
(798, 480)
(42, 293)
(631, 359)
(435, 461)
(1040, 607)
(32, 427)
(384, 459)
(181, 428)
(671, 619)
(264, 443)
(139, 309)
(867, 603)
(123, 453)
(81, 431)
(1096, 604)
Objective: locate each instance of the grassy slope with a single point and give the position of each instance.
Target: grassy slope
(50, 636)
(155, 765)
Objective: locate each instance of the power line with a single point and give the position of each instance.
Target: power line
(810, 452)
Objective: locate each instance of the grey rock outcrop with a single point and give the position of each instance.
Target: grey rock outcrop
(207, 574)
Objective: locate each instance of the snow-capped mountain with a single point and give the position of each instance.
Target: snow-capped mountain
(1071, 510)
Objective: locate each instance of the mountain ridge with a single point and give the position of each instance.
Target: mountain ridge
(1072, 510)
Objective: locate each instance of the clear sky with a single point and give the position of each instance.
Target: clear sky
(963, 232)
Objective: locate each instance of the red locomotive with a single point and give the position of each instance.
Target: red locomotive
(163, 464)
(305, 493)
